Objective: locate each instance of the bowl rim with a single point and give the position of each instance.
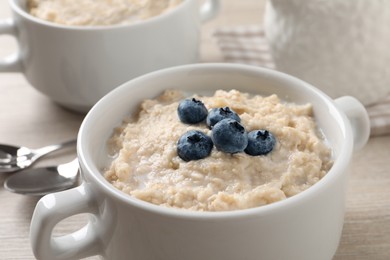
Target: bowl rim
(15, 5)
(339, 167)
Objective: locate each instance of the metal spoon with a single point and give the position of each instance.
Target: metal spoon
(14, 158)
(41, 181)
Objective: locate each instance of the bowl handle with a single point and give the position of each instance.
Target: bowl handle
(11, 63)
(358, 118)
(53, 208)
(209, 10)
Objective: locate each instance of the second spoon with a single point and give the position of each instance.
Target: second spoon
(14, 158)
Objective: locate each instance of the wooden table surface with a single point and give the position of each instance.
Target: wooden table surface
(30, 119)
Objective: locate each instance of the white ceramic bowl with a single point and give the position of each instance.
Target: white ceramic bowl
(75, 66)
(305, 226)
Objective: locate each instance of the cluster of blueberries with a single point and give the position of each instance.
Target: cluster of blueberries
(228, 134)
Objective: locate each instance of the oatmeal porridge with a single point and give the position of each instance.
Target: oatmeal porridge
(146, 163)
(98, 12)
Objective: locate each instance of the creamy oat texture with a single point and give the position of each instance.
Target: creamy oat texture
(147, 166)
(98, 12)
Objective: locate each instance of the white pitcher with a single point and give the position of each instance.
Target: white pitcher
(340, 46)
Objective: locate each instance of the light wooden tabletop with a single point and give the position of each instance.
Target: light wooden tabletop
(30, 119)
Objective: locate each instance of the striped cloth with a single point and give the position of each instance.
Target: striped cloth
(247, 45)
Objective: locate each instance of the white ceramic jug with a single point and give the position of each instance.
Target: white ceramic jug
(340, 46)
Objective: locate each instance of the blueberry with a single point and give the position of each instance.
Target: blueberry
(229, 136)
(192, 111)
(260, 142)
(217, 114)
(194, 145)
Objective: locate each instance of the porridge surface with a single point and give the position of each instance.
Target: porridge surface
(146, 164)
(98, 12)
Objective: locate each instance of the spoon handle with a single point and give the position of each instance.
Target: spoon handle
(51, 148)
